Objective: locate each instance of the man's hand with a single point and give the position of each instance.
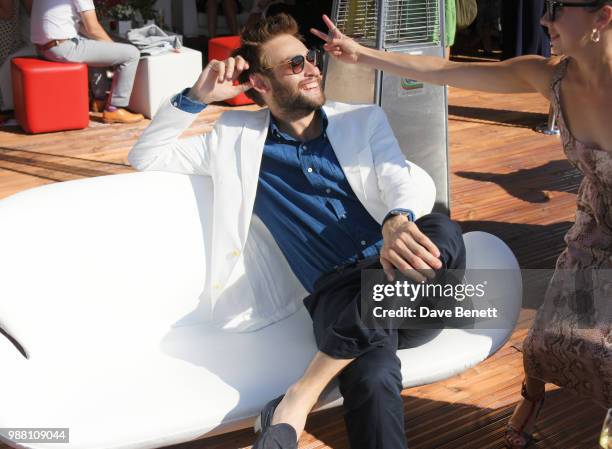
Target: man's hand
(337, 44)
(216, 82)
(406, 248)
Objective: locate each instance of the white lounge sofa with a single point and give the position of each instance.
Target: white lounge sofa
(101, 280)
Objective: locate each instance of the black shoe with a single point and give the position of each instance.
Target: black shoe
(265, 416)
(278, 436)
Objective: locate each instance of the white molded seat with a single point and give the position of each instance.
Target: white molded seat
(101, 284)
(161, 76)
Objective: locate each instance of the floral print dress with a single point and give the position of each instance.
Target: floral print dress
(570, 343)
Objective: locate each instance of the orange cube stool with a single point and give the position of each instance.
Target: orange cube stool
(221, 48)
(50, 96)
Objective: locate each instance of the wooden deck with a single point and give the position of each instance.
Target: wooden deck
(505, 179)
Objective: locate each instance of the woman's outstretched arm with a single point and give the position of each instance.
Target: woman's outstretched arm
(523, 74)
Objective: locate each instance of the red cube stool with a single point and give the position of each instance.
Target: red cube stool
(221, 48)
(50, 96)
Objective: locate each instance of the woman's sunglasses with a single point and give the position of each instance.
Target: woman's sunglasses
(297, 62)
(552, 6)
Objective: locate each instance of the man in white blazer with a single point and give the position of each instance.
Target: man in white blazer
(332, 186)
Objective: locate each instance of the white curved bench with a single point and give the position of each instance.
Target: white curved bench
(101, 280)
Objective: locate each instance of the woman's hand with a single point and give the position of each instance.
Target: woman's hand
(337, 44)
(216, 82)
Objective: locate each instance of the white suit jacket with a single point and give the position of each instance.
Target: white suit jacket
(231, 155)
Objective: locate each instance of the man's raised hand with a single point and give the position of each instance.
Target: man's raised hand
(337, 44)
(216, 82)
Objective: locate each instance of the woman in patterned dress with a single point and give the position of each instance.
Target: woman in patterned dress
(570, 343)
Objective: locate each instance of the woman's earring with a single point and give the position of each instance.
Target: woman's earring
(595, 35)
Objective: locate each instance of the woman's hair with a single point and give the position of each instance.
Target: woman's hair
(254, 37)
(602, 3)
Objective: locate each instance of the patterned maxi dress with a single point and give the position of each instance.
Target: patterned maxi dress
(570, 343)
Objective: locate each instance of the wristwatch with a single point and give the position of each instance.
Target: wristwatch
(406, 212)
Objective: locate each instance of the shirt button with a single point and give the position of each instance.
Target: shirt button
(327, 190)
(305, 147)
(309, 169)
(217, 286)
(363, 242)
(235, 253)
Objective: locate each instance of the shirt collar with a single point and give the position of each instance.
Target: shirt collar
(275, 133)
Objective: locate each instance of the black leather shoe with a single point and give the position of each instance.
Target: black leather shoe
(278, 436)
(265, 416)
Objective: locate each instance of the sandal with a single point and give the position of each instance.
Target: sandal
(513, 433)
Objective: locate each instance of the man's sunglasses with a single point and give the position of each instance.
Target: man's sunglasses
(552, 6)
(297, 62)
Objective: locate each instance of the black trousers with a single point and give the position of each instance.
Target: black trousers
(372, 383)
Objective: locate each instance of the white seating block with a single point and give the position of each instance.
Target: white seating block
(159, 77)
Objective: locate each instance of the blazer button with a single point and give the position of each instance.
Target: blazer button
(235, 253)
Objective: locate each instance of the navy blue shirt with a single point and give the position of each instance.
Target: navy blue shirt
(305, 200)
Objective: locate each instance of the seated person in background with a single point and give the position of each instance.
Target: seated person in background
(231, 9)
(268, 8)
(11, 37)
(69, 31)
(332, 186)
(522, 32)
(308, 12)
(487, 22)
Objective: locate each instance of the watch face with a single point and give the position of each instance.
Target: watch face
(405, 214)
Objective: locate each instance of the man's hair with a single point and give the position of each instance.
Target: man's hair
(252, 40)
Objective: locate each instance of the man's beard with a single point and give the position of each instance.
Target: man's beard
(295, 103)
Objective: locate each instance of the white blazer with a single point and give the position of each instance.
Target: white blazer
(231, 155)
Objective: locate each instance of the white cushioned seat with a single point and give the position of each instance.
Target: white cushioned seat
(101, 284)
(161, 76)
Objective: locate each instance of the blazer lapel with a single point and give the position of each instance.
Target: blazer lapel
(252, 142)
(351, 154)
